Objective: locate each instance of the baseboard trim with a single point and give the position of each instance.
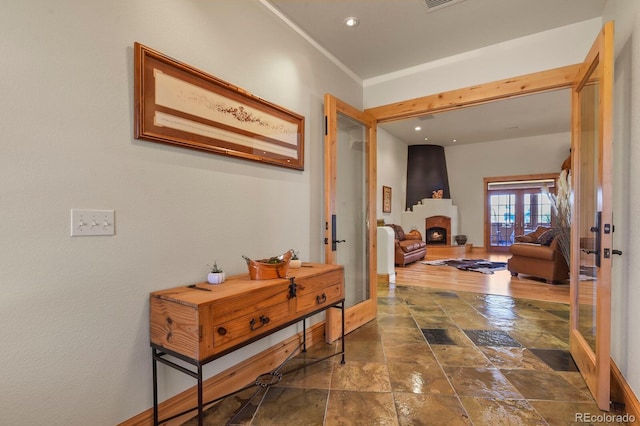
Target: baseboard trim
(231, 379)
(386, 278)
(622, 392)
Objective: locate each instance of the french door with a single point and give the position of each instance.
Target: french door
(516, 205)
(592, 227)
(349, 220)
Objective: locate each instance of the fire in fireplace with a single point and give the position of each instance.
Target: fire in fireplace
(436, 235)
(438, 230)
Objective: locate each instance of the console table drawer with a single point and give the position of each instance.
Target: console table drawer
(319, 298)
(245, 328)
(313, 293)
(249, 303)
(312, 284)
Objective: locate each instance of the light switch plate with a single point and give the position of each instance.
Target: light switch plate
(92, 222)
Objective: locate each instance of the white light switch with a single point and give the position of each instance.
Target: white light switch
(92, 222)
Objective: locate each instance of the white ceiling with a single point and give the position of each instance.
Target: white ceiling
(533, 115)
(397, 34)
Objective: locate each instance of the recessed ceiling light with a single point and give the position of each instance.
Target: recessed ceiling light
(455, 140)
(426, 139)
(418, 128)
(352, 21)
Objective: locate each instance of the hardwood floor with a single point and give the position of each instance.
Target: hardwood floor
(500, 282)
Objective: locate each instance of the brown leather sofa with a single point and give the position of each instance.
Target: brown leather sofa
(408, 247)
(538, 259)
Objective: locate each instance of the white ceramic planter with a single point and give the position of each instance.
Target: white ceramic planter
(215, 277)
(295, 263)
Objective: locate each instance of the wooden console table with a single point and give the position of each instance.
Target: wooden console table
(201, 322)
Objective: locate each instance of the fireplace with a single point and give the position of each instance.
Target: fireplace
(436, 235)
(438, 230)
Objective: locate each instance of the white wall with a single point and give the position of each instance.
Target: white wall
(74, 311)
(504, 60)
(468, 165)
(392, 172)
(625, 292)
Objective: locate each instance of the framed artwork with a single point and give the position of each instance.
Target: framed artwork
(386, 199)
(180, 105)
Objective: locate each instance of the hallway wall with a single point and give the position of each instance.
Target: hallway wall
(75, 340)
(625, 292)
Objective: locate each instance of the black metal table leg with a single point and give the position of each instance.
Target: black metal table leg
(155, 388)
(342, 337)
(304, 334)
(200, 398)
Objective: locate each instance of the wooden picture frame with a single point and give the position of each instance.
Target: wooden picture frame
(180, 105)
(386, 199)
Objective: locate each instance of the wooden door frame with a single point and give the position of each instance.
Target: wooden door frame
(365, 311)
(594, 366)
(543, 81)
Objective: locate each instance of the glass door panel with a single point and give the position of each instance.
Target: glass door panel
(502, 218)
(589, 218)
(352, 248)
(537, 211)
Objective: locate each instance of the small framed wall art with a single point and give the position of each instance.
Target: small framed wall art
(178, 104)
(386, 199)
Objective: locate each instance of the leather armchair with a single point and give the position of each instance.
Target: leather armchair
(408, 247)
(539, 261)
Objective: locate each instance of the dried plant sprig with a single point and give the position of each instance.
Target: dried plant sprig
(561, 204)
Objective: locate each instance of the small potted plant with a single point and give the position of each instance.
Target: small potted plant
(295, 262)
(216, 276)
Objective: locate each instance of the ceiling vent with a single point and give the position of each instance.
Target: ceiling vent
(433, 5)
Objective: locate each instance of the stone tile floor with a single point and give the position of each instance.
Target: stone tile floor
(432, 357)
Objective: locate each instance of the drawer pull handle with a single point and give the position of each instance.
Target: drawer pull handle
(222, 331)
(263, 321)
(321, 299)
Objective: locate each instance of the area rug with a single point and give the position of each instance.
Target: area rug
(475, 265)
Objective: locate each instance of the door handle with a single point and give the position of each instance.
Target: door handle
(334, 240)
(596, 229)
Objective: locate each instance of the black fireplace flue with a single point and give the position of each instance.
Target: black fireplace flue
(426, 172)
(436, 235)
